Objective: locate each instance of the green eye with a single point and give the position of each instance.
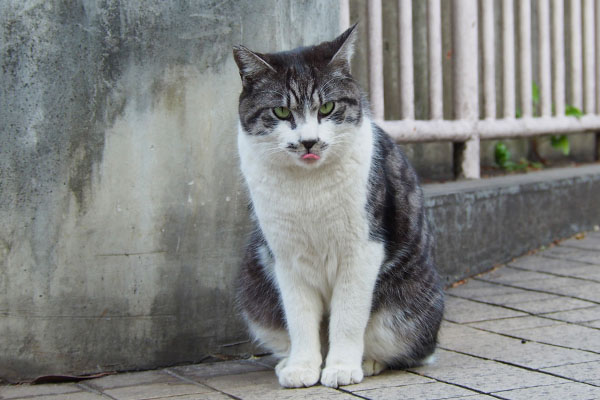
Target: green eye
(326, 108)
(282, 112)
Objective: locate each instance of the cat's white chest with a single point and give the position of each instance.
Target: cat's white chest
(314, 217)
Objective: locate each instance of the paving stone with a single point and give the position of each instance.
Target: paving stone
(516, 351)
(430, 391)
(264, 385)
(463, 310)
(67, 396)
(131, 379)
(592, 324)
(508, 275)
(476, 397)
(510, 299)
(202, 396)
(156, 390)
(450, 330)
(539, 263)
(204, 371)
(508, 325)
(548, 305)
(571, 391)
(389, 379)
(16, 391)
(581, 289)
(582, 372)
(587, 243)
(474, 289)
(577, 316)
(571, 253)
(567, 335)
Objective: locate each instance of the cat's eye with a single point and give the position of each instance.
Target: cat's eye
(326, 108)
(282, 112)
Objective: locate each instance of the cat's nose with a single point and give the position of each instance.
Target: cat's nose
(308, 144)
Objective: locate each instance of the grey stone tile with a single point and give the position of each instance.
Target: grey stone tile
(592, 324)
(462, 311)
(555, 266)
(587, 242)
(571, 253)
(476, 397)
(264, 385)
(474, 289)
(156, 390)
(516, 351)
(571, 391)
(202, 396)
(580, 289)
(68, 396)
(131, 379)
(389, 379)
(519, 297)
(577, 316)
(583, 372)
(549, 305)
(16, 391)
(450, 330)
(508, 325)
(508, 275)
(567, 335)
(201, 372)
(430, 391)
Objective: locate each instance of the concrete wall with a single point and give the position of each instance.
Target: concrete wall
(122, 216)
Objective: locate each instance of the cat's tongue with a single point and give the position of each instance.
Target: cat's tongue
(310, 156)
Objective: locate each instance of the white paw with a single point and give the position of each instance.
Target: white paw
(341, 375)
(295, 376)
(372, 367)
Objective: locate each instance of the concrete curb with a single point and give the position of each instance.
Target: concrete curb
(479, 224)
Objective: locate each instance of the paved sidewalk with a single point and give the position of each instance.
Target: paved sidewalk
(527, 330)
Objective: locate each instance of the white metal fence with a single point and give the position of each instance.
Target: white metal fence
(467, 128)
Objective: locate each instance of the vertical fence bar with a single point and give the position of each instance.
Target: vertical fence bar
(466, 96)
(576, 55)
(597, 24)
(558, 56)
(375, 58)
(344, 14)
(589, 105)
(405, 50)
(434, 43)
(508, 59)
(489, 72)
(525, 57)
(544, 62)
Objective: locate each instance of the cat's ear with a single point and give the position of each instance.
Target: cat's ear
(344, 47)
(250, 63)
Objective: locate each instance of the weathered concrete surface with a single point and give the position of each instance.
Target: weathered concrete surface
(122, 217)
(479, 224)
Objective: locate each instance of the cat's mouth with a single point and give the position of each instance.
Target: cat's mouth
(310, 157)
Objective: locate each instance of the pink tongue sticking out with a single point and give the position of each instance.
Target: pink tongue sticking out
(310, 156)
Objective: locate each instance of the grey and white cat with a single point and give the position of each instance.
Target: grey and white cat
(340, 260)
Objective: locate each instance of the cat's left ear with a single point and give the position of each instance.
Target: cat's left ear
(344, 45)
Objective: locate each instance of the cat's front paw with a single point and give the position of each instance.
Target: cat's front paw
(299, 375)
(341, 375)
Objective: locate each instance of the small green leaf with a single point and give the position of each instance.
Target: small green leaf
(561, 143)
(501, 155)
(573, 111)
(535, 94)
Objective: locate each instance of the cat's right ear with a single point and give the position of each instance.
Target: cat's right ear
(250, 63)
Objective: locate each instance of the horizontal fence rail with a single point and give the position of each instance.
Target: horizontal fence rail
(474, 37)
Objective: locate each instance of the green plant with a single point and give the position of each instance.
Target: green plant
(502, 157)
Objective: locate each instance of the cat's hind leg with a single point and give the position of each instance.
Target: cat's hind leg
(395, 341)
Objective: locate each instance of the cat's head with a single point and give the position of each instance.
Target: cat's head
(299, 107)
